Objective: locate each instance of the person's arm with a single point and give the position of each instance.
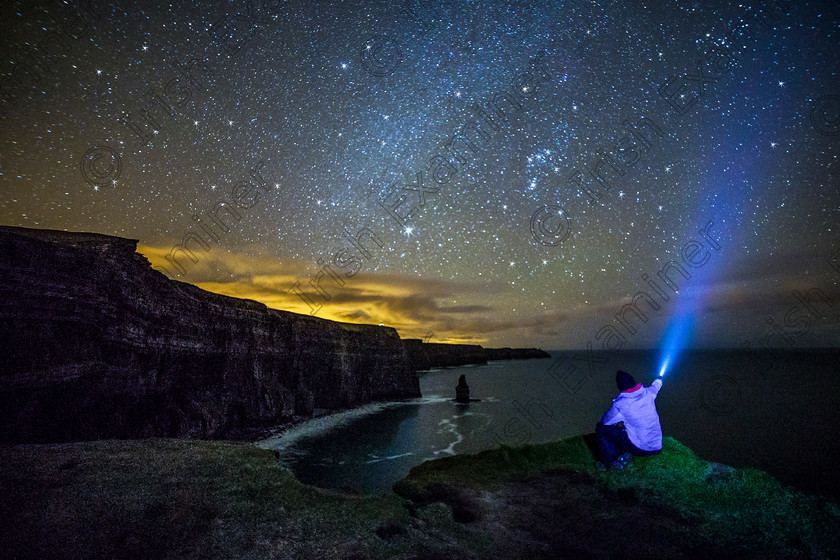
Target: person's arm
(612, 416)
(656, 385)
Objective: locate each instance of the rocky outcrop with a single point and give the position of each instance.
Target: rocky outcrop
(462, 390)
(425, 355)
(97, 344)
(515, 353)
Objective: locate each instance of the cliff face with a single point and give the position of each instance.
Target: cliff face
(96, 344)
(515, 353)
(427, 355)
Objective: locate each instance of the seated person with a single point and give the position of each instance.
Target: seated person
(631, 425)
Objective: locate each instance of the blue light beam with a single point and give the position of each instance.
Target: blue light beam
(673, 341)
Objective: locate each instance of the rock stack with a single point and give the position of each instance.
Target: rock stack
(462, 390)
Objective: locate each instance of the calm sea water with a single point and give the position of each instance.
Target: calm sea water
(777, 413)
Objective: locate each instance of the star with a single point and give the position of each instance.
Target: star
(285, 144)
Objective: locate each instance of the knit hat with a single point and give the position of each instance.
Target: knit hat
(624, 380)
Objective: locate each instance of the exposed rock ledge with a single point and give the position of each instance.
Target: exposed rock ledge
(97, 344)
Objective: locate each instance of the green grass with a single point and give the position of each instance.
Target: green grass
(159, 498)
(742, 507)
(198, 499)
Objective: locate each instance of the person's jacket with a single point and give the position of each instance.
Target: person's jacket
(637, 409)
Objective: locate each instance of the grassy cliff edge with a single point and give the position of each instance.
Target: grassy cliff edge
(200, 499)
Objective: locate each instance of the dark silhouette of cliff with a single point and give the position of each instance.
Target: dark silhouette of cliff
(96, 344)
(515, 353)
(427, 355)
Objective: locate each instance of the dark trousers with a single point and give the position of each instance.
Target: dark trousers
(613, 441)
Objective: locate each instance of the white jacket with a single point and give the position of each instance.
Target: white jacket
(637, 409)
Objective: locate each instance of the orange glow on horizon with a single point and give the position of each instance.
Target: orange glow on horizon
(367, 299)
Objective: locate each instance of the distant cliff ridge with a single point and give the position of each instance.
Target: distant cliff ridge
(96, 344)
(515, 353)
(427, 355)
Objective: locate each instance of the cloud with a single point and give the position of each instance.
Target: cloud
(736, 297)
(412, 305)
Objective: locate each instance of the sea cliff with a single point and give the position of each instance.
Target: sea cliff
(96, 344)
(515, 353)
(427, 355)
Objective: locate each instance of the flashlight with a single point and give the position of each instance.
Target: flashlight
(664, 366)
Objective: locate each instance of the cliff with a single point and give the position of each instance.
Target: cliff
(515, 353)
(426, 355)
(97, 344)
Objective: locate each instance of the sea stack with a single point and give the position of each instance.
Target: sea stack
(462, 390)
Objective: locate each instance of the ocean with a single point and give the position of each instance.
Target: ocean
(773, 411)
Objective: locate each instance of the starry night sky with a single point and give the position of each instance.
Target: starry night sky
(510, 173)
